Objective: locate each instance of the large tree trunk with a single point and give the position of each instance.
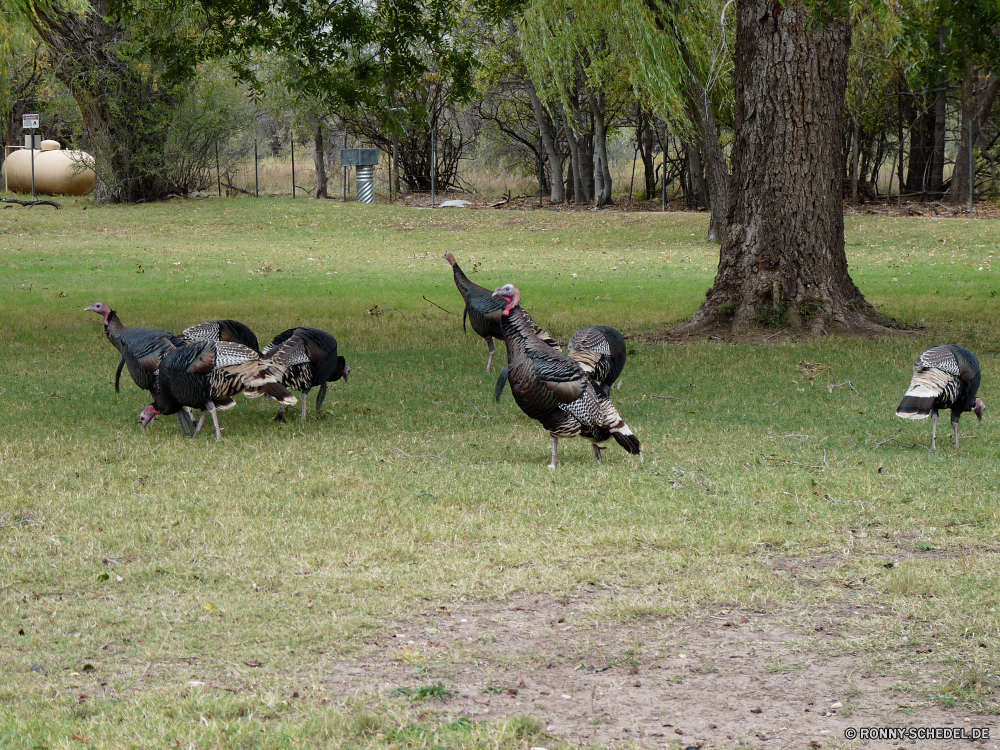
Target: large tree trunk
(782, 257)
(978, 96)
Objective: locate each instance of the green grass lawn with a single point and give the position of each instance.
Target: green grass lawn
(126, 555)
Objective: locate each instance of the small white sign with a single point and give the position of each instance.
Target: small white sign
(29, 121)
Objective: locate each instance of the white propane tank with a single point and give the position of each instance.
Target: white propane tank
(57, 172)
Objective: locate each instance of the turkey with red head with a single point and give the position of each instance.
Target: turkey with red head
(554, 389)
(306, 357)
(484, 312)
(944, 377)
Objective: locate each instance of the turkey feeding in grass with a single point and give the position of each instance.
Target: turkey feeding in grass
(554, 389)
(944, 377)
(206, 375)
(307, 358)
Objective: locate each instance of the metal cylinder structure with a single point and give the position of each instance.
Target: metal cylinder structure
(366, 183)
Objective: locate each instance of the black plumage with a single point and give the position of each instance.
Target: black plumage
(141, 349)
(223, 330)
(553, 388)
(944, 377)
(307, 357)
(206, 375)
(600, 351)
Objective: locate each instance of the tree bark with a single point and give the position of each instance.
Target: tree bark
(319, 158)
(713, 168)
(979, 93)
(126, 111)
(646, 140)
(782, 260)
(557, 193)
(602, 171)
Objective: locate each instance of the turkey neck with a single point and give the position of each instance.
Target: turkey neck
(113, 328)
(517, 332)
(463, 283)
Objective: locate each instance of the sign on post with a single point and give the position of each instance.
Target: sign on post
(30, 122)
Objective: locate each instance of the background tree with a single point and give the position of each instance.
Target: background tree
(782, 256)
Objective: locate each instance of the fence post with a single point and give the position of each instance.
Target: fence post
(293, 166)
(433, 165)
(218, 172)
(256, 170)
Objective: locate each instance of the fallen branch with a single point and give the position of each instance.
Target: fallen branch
(830, 387)
(667, 398)
(230, 186)
(437, 305)
(474, 406)
(796, 463)
(29, 204)
(901, 445)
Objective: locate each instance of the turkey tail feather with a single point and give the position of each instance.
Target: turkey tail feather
(915, 407)
(279, 393)
(629, 442)
(624, 437)
(501, 383)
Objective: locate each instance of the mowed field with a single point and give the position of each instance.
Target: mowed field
(404, 571)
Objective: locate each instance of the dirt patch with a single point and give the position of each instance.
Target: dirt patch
(721, 679)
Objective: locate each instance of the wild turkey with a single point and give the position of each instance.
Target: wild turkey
(944, 377)
(553, 389)
(600, 351)
(307, 357)
(206, 375)
(223, 330)
(484, 311)
(141, 348)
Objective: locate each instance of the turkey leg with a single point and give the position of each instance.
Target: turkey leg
(305, 397)
(489, 362)
(215, 419)
(933, 429)
(955, 427)
(597, 452)
(555, 445)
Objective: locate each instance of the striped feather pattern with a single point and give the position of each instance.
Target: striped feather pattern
(601, 352)
(222, 330)
(553, 388)
(944, 377)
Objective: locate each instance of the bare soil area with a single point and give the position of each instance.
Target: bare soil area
(719, 680)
